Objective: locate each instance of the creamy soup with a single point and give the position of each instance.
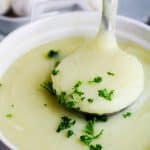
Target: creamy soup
(29, 115)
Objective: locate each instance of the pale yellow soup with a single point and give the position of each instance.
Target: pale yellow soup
(33, 125)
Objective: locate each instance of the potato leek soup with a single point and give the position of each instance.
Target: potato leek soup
(32, 118)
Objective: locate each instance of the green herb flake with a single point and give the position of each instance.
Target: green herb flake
(55, 72)
(89, 135)
(70, 104)
(97, 79)
(53, 54)
(45, 105)
(70, 133)
(76, 90)
(0, 84)
(56, 63)
(88, 138)
(89, 129)
(110, 73)
(126, 115)
(90, 100)
(77, 85)
(49, 87)
(97, 118)
(12, 105)
(9, 116)
(96, 147)
(108, 95)
(65, 123)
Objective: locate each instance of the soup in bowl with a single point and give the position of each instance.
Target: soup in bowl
(31, 117)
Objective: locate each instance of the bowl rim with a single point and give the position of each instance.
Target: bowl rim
(68, 14)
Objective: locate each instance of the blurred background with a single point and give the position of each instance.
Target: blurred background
(15, 13)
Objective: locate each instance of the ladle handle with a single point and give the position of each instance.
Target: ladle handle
(109, 13)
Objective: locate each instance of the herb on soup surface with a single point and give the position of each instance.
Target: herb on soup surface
(111, 73)
(97, 79)
(96, 147)
(45, 105)
(55, 72)
(70, 133)
(57, 63)
(126, 115)
(53, 54)
(106, 94)
(49, 87)
(9, 116)
(0, 84)
(89, 134)
(12, 105)
(65, 123)
(90, 100)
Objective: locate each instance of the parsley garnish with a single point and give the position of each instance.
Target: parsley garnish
(110, 73)
(76, 89)
(9, 116)
(62, 100)
(53, 54)
(88, 139)
(77, 85)
(70, 133)
(97, 79)
(12, 105)
(96, 147)
(65, 123)
(108, 95)
(126, 115)
(90, 100)
(97, 118)
(89, 135)
(70, 104)
(45, 105)
(0, 84)
(49, 87)
(55, 72)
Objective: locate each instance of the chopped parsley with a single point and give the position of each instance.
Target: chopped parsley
(70, 133)
(68, 104)
(96, 147)
(53, 54)
(110, 73)
(88, 139)
(76, 90)
(97, 79)
(108, 95)
(126, 115)
(9, 116)
(55, 72)
(77, 85)
(90, 100)
(97, 118)
(65, 123)
(57, 63)
(49, 87)
(45, 105)
(0, 84)
(89, 134)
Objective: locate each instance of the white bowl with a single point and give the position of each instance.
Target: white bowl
(79, 23)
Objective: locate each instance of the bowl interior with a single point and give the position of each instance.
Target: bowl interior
(24, 39)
